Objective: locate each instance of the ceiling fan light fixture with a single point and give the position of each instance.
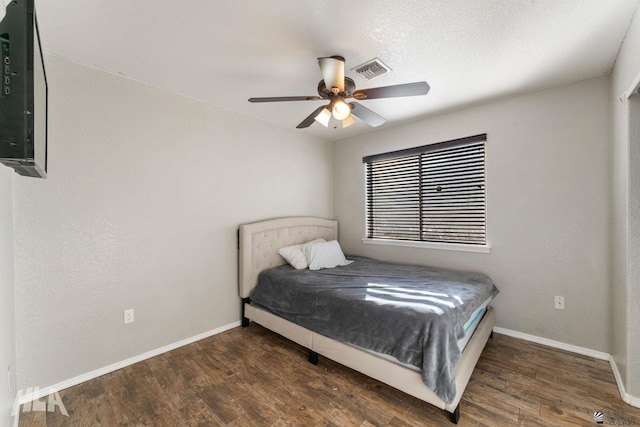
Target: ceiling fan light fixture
(341, 110)
(348, 121)
(324, 117)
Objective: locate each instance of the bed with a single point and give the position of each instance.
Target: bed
(259, 243)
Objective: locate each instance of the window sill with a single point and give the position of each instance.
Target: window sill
(485, 249)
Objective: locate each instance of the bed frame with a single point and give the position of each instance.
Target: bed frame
(258, 250)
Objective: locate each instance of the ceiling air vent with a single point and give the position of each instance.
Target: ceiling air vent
(371, 69)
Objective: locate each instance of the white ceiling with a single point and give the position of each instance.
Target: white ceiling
(223, 52)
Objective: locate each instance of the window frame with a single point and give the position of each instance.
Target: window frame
(441, 147)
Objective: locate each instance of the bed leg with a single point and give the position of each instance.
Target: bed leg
(313, 357)
(455, 415)
(491, 335)
(245, 321)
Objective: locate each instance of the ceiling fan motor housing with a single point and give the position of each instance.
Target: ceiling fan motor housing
(325, 92)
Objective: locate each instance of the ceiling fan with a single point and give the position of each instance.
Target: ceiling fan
(336, 88)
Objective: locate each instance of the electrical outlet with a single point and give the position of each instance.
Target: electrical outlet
(559, 303)
(128, 316)
(9, 377)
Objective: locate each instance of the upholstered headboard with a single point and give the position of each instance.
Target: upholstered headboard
(259, 243)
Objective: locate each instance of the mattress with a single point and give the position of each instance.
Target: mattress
(471, 324)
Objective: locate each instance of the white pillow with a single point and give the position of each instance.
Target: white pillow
(324, 255)
(294, 256)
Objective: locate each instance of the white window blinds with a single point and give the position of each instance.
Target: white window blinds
(433, 193)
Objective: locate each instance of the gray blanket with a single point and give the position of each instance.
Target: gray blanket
(413, 313)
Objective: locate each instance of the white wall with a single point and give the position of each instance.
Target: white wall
(548, 178)
(7, 299)
(625, 224)
(144, 194)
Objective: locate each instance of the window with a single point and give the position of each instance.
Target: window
(433, 193)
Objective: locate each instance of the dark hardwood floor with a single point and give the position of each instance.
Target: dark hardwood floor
(251, 376)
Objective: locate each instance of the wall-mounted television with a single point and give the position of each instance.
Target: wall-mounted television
(23, 100)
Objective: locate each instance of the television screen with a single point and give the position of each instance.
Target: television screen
(23, 98)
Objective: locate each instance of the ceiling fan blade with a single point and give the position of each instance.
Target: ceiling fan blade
(406, 89)
(368, 116)
(311, 118)
(286, 98)
(332, 68)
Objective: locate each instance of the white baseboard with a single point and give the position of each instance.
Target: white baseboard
(46, 391)
(631, 400)
(555, 344)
